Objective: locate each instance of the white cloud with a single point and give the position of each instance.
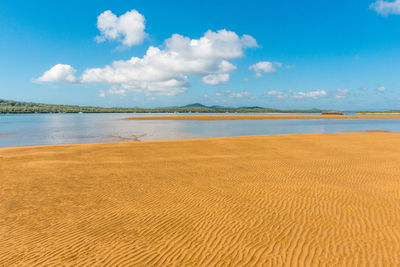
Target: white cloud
(59, 73)
(240, 94)
(381, 89)
(288, 67)
(112, 91)
(341, 93)
(165, 71)
(263, 66)
(231, 94)
(300, 95)
(312, 94)
(266, 67)
(102, 93)
(277, 94)
(386, 8)
(214, 79)
(117, 91)
(127, 29)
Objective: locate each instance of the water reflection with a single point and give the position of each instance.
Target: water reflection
(46, 129)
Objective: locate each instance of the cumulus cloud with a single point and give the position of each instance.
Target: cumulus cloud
(265, 67)
(341, 93)
(165, 71)
(312, 94)
(386, 8)
(214, 79)
(113, 91)
(59, 73)
(277, 94)
(231, 94)
(299, 95)
(127, 28)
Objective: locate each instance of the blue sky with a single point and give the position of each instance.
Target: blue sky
(280, 54)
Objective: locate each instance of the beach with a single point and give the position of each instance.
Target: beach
(278, 200)
(261, 117)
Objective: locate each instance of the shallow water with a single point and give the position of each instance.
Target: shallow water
(50, 129)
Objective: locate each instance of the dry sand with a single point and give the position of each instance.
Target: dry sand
(261, 117)
(312, 200)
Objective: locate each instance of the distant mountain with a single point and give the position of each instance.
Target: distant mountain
(217, 107)
(194, 105)
(253, 107)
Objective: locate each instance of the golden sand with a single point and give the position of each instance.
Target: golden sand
(261, 117)
(293, 200)
(379, 113)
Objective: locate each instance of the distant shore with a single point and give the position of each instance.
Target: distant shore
(261, 117)
(309, 199)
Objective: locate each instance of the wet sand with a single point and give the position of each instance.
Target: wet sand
(261, 117)
(294, 200)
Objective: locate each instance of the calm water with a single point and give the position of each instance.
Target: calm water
(49, 129)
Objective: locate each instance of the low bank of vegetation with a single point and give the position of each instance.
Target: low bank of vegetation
(9, 106)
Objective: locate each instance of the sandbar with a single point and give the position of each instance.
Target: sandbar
(261, 117)
(293, 200)
(379, 113)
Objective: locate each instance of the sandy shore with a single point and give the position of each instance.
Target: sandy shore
(312, 200)
(261, 117)
(379, 113)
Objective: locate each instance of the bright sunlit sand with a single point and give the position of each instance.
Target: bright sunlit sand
(261, 117)
(311, 200)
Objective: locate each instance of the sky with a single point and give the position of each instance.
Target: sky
(278, 54)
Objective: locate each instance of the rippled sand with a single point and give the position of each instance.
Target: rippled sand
(312, 200)
(260, 117)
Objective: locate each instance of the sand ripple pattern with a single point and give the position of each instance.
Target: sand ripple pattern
(289, 200)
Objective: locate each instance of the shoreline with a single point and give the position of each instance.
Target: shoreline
(258, 200)
(261, 117)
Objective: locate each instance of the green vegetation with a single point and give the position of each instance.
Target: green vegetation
(9, 106)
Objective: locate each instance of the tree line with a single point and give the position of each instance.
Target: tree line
(10, 106)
